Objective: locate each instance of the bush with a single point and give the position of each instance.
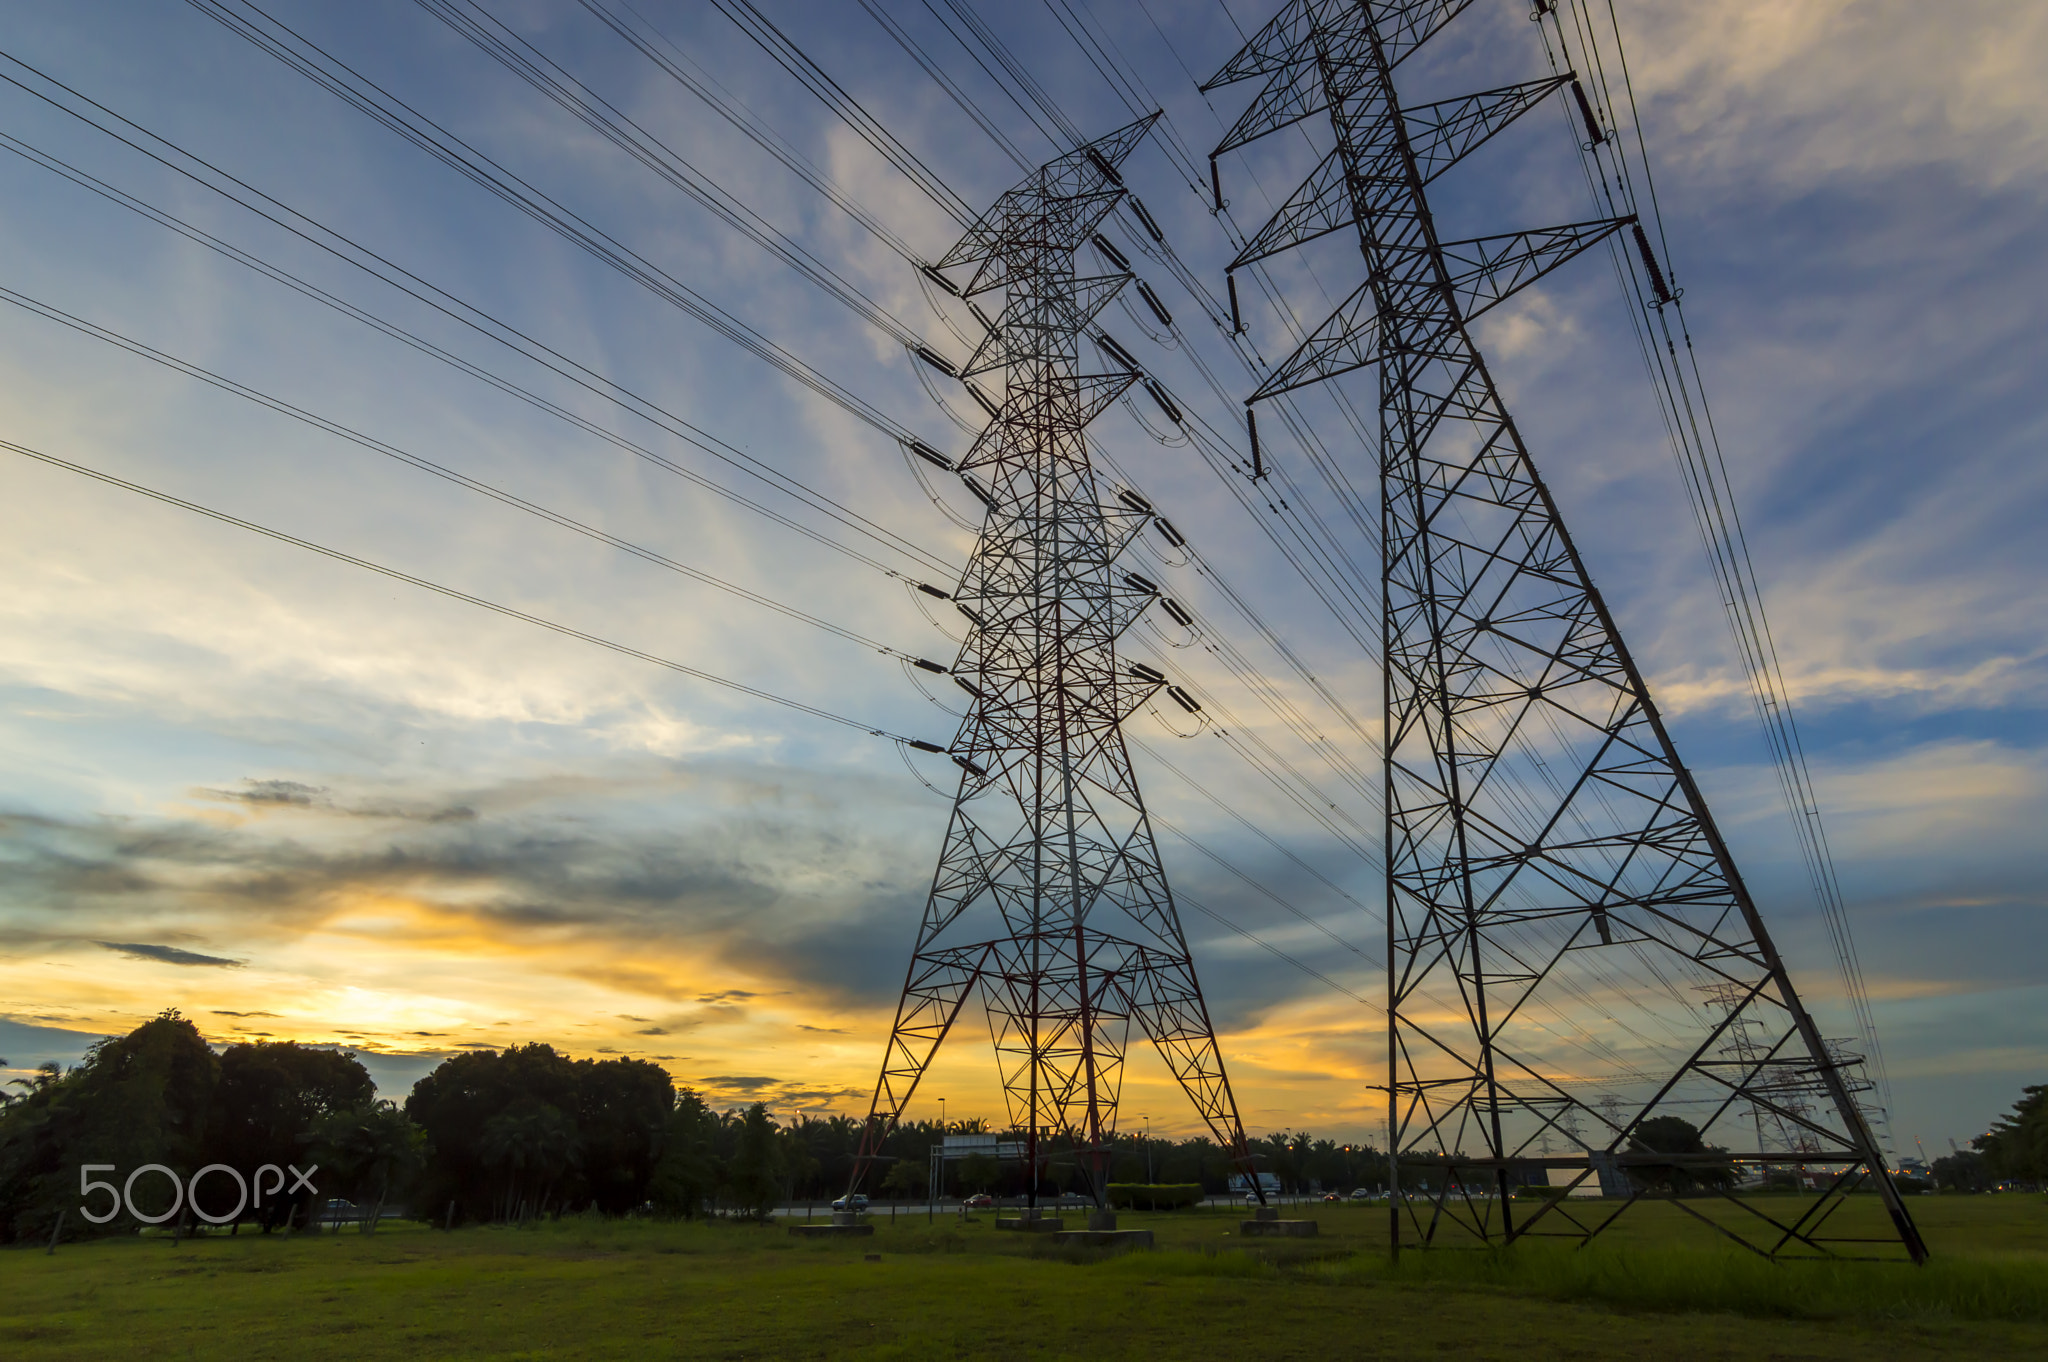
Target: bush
(1154, 1196)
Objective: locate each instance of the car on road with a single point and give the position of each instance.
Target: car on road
(857, 1202)
(1361, 1194)
(1331, 1196)
(979, 1201)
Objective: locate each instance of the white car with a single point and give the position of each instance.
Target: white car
(857, 1202)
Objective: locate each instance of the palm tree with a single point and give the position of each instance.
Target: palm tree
(370, 1146)
(530, 1139)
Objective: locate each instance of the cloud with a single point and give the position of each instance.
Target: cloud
(289, 792)
(741, 1083)
(168, 955)
(1849, 87)
(296, 795)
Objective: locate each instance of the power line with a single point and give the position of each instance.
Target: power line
(315, 63)
(522, 59)
(678, 65)
(812, 77)
(451, 593)
(441, 471)
(350, 252)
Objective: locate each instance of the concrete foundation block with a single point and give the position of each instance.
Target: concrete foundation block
(834, 1231)
(1113, 1239)
(1291, 1229)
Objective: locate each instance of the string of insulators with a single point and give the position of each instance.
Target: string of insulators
(1110, 252)
(1102, 164)
(930, 455)
(972, 614)
(1179, 612)
(1657, 284)
(978, 395)
(968, 686)
(924, 665)
(1586, 112)
(923, 746)
(936, 360)
(1165, 403)
(1184, 700)
(931, 272)
(981, 494)
(1146, 585)
(1236, 318)
(1251, 425)
(1145, 673)
(980, 316)
(1145, 220)
(1171, 535)
(1152, 301)
(964, 764)
(1134, 501)
(1215, 184)
(1116, 352)
(934, 591)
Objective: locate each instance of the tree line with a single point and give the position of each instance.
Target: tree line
(500, 1135)
(507, 1135)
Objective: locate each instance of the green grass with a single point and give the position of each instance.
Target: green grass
(590, 1289)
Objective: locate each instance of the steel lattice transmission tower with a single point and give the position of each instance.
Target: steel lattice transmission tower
(1541, 833)
(1049, 898)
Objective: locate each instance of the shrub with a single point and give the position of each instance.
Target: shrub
(1154, 1196)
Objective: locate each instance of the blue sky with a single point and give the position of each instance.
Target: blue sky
(413, 826)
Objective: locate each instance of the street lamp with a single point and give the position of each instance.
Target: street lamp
(942, 1120)
(1148, 1148)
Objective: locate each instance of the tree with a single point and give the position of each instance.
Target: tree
(1676, 1135)
(907, 1180)
(531, 1145)
(271, 1096)
(373, 1150)
(977, 1173)
(687, 1173)
(621, 1108)
(609, 1128)
(2017, 1146)
(1962, 1171)
(146, 1097)
(755, 1173)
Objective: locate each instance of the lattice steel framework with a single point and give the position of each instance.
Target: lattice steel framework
(1049, 898)
(1540, 828)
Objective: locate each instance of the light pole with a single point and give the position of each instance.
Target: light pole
(1148, 1149)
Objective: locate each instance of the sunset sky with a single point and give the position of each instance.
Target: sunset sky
(294, 799)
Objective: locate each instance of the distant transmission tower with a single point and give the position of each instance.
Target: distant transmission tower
(1541, 833)
(1049, 899)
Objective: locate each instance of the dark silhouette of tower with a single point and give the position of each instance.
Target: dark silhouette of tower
(1541, 832)
(1049, 899)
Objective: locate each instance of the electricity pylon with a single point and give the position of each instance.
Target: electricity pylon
(1049, 898)
(1540, 828)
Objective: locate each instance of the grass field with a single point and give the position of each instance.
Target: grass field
(592, 1289)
